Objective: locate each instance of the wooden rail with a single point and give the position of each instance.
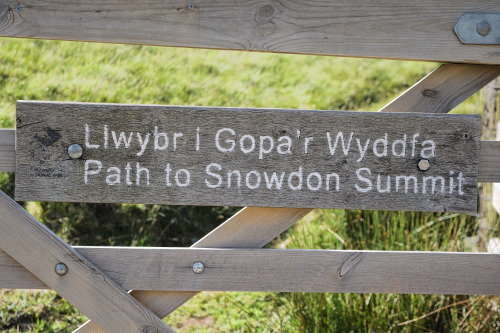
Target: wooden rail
(406, 29)
(394, 30)
(283, 270)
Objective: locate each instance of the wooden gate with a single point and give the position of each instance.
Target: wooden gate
(283, 163)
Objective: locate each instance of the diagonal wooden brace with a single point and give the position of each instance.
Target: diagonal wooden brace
(255, 227)
(39, 250)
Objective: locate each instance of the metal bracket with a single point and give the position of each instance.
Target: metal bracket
(479, 28)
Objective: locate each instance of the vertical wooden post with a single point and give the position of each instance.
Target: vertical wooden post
(490, 192)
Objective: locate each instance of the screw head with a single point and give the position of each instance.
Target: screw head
(424, 165)
(198, 267)
(191, 6)
(61, 269)
(19, 8)
(150, 329)
(483, 28)
(75, 151)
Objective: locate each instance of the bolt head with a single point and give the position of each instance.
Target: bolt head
(424, 165)
(75, 151)
(198, 267)
(483, 28)
(150, 329)
(61, 269)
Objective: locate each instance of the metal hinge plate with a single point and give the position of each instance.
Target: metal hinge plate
(479, 28)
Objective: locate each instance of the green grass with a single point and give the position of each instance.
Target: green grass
(36, 311)
(86, 72)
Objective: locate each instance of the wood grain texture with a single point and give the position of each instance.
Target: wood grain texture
(444, 88)
(7, 150)
(495, 195)
(318, 159)
(13, 275)
(405, 29)
(489, 161)
(489, 156)
(250, 227)
(296, 270)
(236, 230)
(39, 250)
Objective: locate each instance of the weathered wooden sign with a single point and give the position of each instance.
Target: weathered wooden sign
(246, 157)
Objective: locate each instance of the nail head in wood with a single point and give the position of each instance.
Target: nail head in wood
(19, 8)
(75, 151)
(424, 165)
(198, 267)
(61, 269)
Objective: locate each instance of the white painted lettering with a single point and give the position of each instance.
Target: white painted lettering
(257, 180)
(88, 172)
(139, 171)
(413, 142)
(121, 138)
(340, 136)
(384, 142)
(142, 143)
(285, 147)
(306, 143)
(114, 178)
(362, 150)
(238, 174)
(197, 138)
(368, 182)
(297, 175)
(263, 140)
(434, 181)
(182, 173)
(157, 137)
(215, 175)
(87, 139)
(168, 169)
(242, 143)
(231, 143)
(105, 136)
(461, 181)
(278, 182)
(407, 180)
(431, 149)
(387, 188)
(176, 136)
(402, 143)
(128, 168)
(337, 181)
(310, 183)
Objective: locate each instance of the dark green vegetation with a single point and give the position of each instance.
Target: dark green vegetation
(65, 71)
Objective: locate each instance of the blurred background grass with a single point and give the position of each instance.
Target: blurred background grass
(89, 72)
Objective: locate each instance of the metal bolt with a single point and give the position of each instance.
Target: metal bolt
(19, 8)
(75, 151)
(424, 165)
(191, 6)
(483, 28)
(198, 267)
(150, 329)
(61, 269)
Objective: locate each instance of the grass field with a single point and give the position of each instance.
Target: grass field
(69, 71)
